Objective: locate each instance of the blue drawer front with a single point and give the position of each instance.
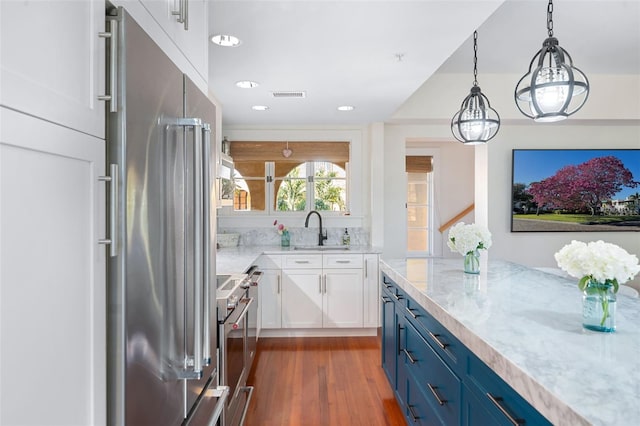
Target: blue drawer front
(438, 382)
(440, 339)
(500, 399)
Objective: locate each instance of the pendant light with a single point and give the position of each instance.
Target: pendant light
(553, 89)
(476, 122)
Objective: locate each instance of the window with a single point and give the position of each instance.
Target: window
(313, 177)
(419, 204)
(320, 184)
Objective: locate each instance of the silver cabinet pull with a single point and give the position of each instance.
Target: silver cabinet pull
(497, 402)
(385, 299)
(325, 283)
(343, 261)
(410, 311)
(320, 284)
(112, 91)
(206, 249)
(438, 341)
(366, 268)
(399, 339)
(301, 261)
(412, 414)
(396, 296)
(435, 394)
(182, 13)
(113, 210)
(278, 283)
(408, 354)
(186, 15)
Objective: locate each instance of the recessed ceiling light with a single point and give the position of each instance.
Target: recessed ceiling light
(246, 84)
(225, 40)
(259, 107)
(345, 108)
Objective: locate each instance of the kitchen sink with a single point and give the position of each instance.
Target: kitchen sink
(322, 248)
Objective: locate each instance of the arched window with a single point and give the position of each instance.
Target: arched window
(314, 176)
(321, 184)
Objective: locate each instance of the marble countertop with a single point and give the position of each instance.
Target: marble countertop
(233, 260)
(527, 326)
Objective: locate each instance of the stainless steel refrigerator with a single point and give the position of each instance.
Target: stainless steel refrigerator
(162, 330)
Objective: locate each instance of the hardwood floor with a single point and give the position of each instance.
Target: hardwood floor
(320, 381)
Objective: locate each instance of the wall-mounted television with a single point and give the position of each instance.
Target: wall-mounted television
(575, 190)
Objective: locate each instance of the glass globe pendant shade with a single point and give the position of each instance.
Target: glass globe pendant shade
(553, 89)
(476, 122)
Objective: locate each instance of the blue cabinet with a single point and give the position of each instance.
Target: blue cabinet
(436, 379)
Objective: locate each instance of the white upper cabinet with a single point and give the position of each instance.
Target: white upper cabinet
(185, 22)
(52, 61)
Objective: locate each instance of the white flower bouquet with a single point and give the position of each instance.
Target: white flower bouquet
(465, 238)
(597, 261)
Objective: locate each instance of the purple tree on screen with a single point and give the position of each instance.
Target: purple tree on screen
(583, 187)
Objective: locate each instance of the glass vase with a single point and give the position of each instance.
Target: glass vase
(285, 239)
(472, 262)
(599, 307)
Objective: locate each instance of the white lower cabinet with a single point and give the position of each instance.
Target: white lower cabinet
(314, 291)
(342, 298)
(52, 274)
(270, 300)
(270, 287)
(371, 289)
(302, 298)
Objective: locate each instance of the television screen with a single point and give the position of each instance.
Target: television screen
(556, 190)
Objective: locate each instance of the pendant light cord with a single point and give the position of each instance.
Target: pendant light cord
(475, 58)
(550, 18)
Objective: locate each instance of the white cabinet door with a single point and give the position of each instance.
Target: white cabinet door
(302, 298)
(193, 41)
(52, 273)
(52, 62)
(371, 291)
(342, 298)
(270, 299)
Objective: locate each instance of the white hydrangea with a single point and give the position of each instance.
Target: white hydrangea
(464, 238)
(598, 260)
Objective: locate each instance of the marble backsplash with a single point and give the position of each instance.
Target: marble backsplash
(299, 236)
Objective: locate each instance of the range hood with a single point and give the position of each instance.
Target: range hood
(225, 162)
(225, 166)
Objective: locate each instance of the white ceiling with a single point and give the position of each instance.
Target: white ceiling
(345, 52)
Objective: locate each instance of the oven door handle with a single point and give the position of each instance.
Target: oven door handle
(249, 301)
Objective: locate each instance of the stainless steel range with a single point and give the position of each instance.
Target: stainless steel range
(234, 306)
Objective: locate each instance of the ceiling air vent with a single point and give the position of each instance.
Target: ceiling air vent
(289, 94)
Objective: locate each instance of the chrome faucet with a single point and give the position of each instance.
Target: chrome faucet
(321, 236)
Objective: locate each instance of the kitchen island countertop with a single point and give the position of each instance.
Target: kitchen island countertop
(526, 325)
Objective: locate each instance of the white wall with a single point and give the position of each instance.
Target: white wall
(454, 185)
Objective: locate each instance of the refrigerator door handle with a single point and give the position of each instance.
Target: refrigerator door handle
(197, 249)
(195, 362)
(206, 247)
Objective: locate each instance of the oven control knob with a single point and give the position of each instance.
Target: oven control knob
(232, 302)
